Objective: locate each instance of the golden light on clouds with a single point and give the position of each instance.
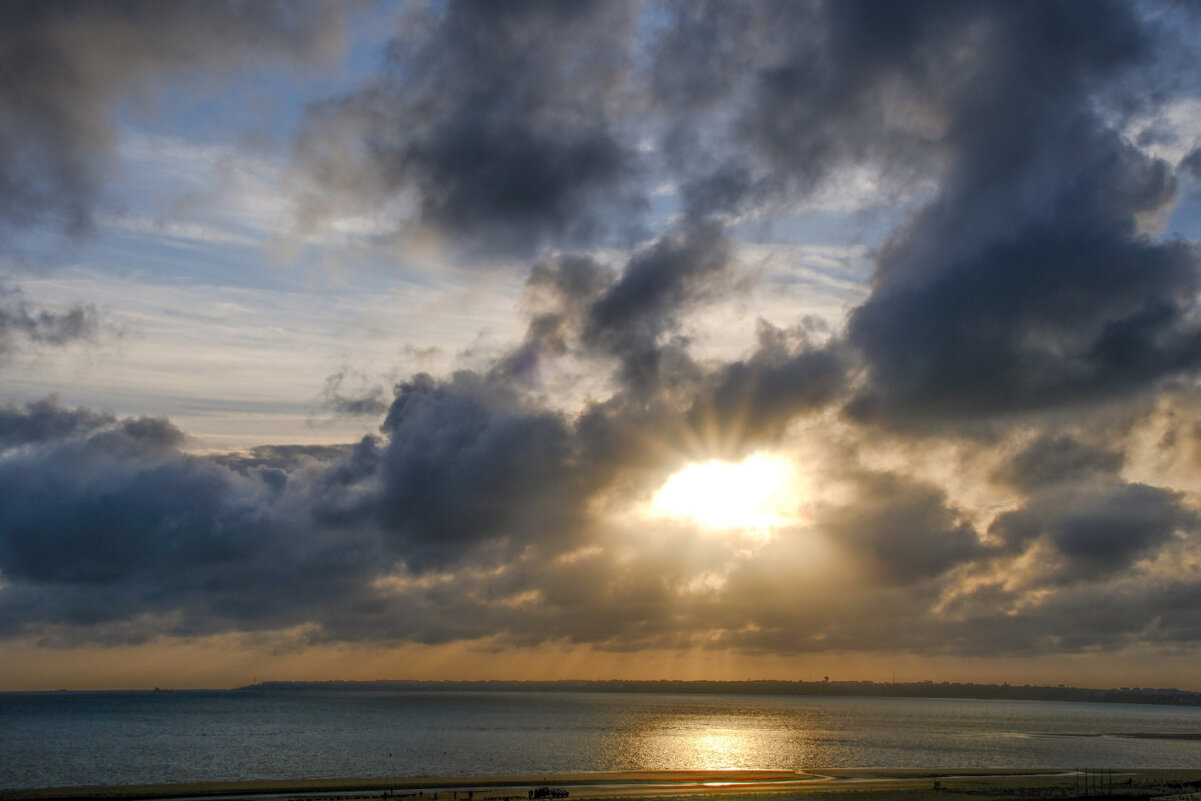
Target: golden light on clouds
(576, 378)
(755, 495)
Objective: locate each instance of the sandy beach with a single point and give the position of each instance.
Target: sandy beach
(867, 784)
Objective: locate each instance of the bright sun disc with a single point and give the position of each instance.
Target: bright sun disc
(751, 494)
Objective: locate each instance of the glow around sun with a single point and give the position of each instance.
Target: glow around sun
(755, 494)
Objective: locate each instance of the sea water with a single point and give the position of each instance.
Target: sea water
(65, 739)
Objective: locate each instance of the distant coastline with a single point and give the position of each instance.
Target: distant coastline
(919, 689)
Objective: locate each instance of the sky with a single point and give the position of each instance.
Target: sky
(536, 340)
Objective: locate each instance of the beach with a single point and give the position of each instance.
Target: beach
(864, 784)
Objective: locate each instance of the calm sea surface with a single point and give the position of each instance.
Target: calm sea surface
(49, 739)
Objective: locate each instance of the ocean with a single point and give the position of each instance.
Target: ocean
(71, 739)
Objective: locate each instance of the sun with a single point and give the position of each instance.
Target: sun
(755, 494)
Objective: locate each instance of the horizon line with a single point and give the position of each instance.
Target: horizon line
(632, 685)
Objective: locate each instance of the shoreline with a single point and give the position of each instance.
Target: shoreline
(869, 784)
(948, 691)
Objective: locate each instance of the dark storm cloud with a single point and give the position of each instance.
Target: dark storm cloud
(559, 290)
(905, 530)
(634, 316)
(754, 400)
(464, 465)
(765, 102)
(46, 421)
(66, 66)
(107, 522)
(111, 516)
(1054, 459)
(1027, 283)
(1097, 531)
(1090, 616)
(496, 118)
(631, 320)
(635, 311)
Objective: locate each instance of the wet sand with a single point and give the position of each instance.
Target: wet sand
(867, 784)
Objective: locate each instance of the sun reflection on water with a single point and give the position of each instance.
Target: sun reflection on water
(702, 743)
(718, 750)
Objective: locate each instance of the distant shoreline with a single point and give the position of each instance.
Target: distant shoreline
(879, 784)
(923, 689)
(1169, 696)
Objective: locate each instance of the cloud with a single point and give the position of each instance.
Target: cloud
(46, 421)
(906, 530)
(1028, 282)
(754, 400)
(1096, 531)
(1021, 278)
(765, 103)
(1024, 278)
(465, 467)
(109, 523)
(1192, 163)
(69, 64)
(368, 402)
(490, 124)
(23, 324)
(1050, 460)
(660, 283)
(474, 516)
